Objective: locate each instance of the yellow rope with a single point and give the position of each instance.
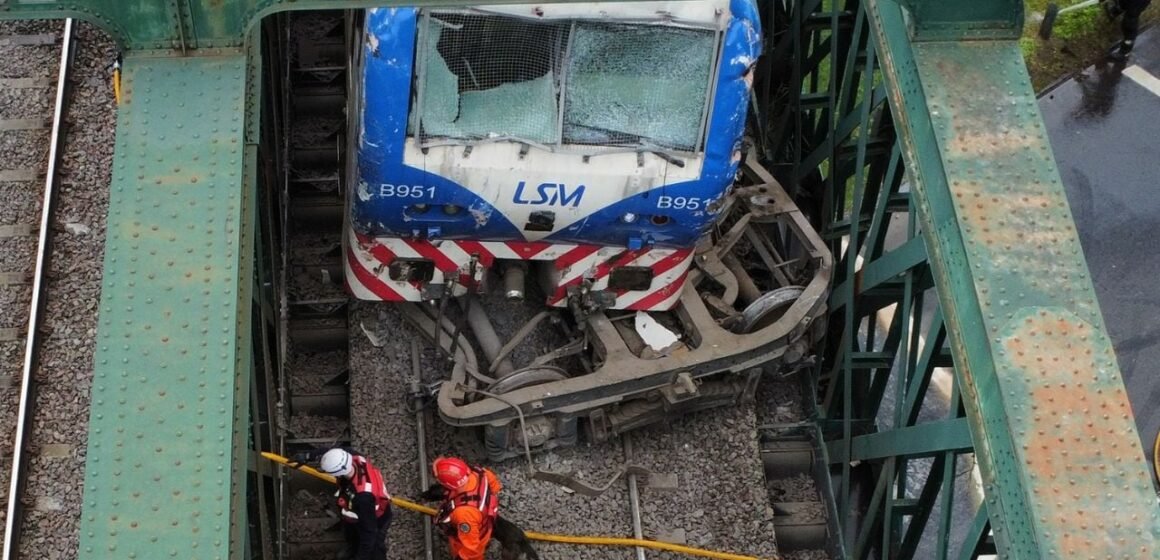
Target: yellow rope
(1156, 456)
(545, 537)
(117, 82)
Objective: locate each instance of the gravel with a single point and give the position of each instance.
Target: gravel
(59, 430)
(780, 401)
(384, 428)
(722, 498)
(25, 149)
(311, 372)
(508, 317)
(721, 502)
(308, 258)
(382, 422)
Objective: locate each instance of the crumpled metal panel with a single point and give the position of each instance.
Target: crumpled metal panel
(1064, 472)
(171, 371)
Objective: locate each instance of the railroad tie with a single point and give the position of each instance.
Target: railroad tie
(37, 40)
(25, 124)
(25, 83)
(18, 175)
(17, 230)
(14, 278)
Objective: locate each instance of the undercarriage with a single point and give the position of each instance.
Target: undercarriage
(754, 305)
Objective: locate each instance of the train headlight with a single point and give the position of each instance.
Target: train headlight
(450, 209)
(628, 217)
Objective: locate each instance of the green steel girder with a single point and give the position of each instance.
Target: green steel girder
(185, 25)
(1062, 466)
(963, 123)
(933, 20)
(167, 453)
(837, 101)
(921, 440)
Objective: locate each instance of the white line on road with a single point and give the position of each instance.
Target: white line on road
(1142, 77)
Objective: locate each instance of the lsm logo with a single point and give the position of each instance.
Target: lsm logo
(549, 194)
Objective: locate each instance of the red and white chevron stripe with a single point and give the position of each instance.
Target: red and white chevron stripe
(367, 259)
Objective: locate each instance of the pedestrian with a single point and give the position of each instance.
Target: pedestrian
(363, 501)
(469, 515)
(1129, 26)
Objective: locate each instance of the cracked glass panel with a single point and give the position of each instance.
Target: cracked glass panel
(637, 85)
(491, 77)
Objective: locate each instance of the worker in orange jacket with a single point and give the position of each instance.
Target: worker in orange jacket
(469, 514)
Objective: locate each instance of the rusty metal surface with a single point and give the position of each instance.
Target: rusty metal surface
(1064, 473)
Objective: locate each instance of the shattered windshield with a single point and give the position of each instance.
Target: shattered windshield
(551, 83)
(637, 85)
(489, 77)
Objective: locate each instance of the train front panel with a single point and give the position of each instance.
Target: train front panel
(581, 138)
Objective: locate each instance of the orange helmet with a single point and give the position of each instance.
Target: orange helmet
(451, 472)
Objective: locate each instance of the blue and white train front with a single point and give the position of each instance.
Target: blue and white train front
(588, 143)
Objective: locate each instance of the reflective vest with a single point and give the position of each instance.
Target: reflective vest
(482, 498)
(366, 478)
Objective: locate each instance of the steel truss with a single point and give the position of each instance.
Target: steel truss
(892, 458)
(900, 437)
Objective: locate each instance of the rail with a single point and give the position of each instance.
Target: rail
(26, 408)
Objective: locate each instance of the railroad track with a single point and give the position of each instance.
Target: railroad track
(701, 466)
(314, 398)
(56, 133)
(360, 373)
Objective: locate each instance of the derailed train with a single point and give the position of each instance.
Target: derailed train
(592, 155)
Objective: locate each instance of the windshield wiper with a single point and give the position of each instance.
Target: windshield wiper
(641, 141)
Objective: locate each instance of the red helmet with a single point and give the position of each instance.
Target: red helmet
(451, 472)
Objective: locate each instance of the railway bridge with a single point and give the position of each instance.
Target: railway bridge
(907, 129)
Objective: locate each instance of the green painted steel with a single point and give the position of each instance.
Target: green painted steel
(183, 25)
(976, 19)
(167, 432)
(923, 440)
(1063, 470)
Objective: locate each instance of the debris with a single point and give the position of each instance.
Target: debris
(655, 335)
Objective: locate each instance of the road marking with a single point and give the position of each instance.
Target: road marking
(1142, 77)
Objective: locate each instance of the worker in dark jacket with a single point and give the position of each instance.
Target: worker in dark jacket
(1129, 26)
(469, 514)
(363, 502)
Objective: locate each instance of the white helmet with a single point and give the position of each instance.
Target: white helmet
(337, 462)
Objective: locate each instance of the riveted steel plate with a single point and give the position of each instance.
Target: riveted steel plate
(159, 476)
(1063, 470)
